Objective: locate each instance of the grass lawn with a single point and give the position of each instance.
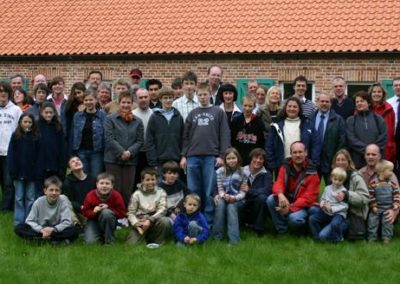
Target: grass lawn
(287, 259)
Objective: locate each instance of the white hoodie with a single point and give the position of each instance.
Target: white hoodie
(9, 117)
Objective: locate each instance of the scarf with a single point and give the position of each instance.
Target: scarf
(126, 116)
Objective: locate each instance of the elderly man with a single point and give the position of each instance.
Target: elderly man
(39, 78)
(341, 103)
(94, 79)
(294, 191)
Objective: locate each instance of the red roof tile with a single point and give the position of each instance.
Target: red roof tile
(63, 27)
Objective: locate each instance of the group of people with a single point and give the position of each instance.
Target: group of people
(190, 160)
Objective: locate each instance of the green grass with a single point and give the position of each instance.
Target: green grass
(287, 259)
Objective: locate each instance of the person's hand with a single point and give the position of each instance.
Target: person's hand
(229, 198)
(283, 202)
(216, 199)
(340, 196)
(192, 241)
(139, 228)
(177, 210)
(103, 206)
(97, 209)
(183, 163)
(172, 216)
(125, 155)
(244, 187)
(283, 211)
(145, 224)
(186, 240)
(219, 162)
(327, 207)
(374, 209)
(391, 215)
(46, 232)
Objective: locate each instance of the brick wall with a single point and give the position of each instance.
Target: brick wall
(321, 71)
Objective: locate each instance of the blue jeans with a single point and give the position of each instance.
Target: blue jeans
(326, 227)
(227, 213)
(6, 184)
(25, 194)
(93, 162)
(294, 220)
(202, 181)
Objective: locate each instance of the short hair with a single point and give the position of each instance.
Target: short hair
(105, 175)
(300, 78)
(203, 87)
(166, 91)
(364, 95)
(339, 173)
(96, 72)
(227, 88)
(55, 81)
(215, 65)
(17, 76)
(377, 84)
(339, 78)
(396, 79)
(72, 157)
(193, 196)
(153, 82)
(42, 87)
(176, 83)
(256, 152)
(104, 85)
(170, 166)
(249, 98)
(291, 99)
(90, 92)
(6, 87)
(189, 76)
(125, 94)
(148, 171)
(298, 142)
(384, 165)
(53, 180)
(122, 82)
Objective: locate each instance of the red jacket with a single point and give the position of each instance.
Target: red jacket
(115, 203)
(306, 182)
(387, 112)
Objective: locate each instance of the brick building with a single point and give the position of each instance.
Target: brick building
(268, 40)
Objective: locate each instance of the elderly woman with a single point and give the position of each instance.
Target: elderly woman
(384, 109)
(123, 138)
(364, 128)
(356, 196)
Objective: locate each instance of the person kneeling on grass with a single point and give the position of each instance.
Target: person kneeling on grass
(328, 222)
(190, 226)
(50, 217)
(146, 211)
(102, 207)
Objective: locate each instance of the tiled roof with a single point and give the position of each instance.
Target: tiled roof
(87, 27)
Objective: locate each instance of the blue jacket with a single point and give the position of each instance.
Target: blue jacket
(261, 184)
(275, 148)
(334, 140)
(181, 225)
(79, 121)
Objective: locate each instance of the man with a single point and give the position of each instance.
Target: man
(330, 130)
(144, 112)
(252, 86)
(300, 88)
(188, 101)
(136, 75)
(372, 157)
(394, 102)
(341, 103)
(294, 191)
(94, 79)
(17, 82)
(39, 78)
(214, 81)
(9, 116)
(153, 86)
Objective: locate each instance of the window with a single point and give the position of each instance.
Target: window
(241, 85)
(287, 90)
(354, 87)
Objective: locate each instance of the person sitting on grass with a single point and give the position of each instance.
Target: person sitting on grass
(190, 226)
(50, 217)
(146, 211)
(384, 195)
(102, 207)
(331, 213)
(176, 190)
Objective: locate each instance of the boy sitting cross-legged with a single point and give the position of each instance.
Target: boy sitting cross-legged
(50, 217)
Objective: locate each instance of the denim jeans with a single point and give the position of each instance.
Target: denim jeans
(201, 179)
(93, 162)
(326, 227)
(227, 214)
(25, 194)
(296, 221)
(7, 186)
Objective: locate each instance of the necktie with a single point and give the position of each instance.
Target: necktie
(321, 128)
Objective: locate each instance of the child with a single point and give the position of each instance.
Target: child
(50, 217)
(102, 207)
(332, 213)
(176, 190)
(22, 159)
(146, 211)
(230, 180)
(190, 226)
(384, 195)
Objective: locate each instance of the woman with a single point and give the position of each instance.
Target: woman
(20, 99)
(123, 139)
(103, 95)
(88, 135)
(255, 209)
(384, 109)
(357, 197)
(40, 93)
(291, 127)
(74, 104)
(271, 108)
(364, 128)
(228, 95)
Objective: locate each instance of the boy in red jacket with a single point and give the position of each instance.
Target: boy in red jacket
(102, 207)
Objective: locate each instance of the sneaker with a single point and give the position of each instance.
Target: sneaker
(123, 222)
(386, 241)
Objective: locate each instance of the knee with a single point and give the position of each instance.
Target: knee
(271, 201)
(163, 222)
